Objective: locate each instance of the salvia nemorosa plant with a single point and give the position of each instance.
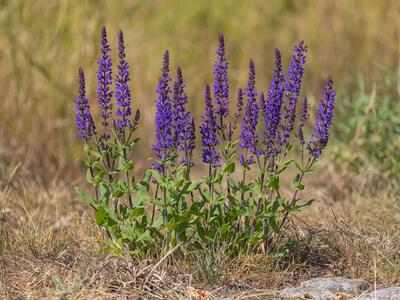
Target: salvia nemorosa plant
(173, 204)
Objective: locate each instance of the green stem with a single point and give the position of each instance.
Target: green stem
(126, 171)
(293, 200)
(153, 210)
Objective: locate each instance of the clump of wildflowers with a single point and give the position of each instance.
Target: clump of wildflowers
(166, 206)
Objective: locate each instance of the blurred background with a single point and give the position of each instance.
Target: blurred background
(43, 43)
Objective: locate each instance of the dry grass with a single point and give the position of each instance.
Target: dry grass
(50, 249)
(40, 57)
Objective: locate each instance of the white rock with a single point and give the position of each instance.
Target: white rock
(338, 285)
(306, 293)
(392, 293)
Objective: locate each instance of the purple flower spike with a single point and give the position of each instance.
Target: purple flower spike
(303, 119)
(208, 133)
(84, 122)
(180, 116)
(221, 86)
(244, 161)
(249, 136)
(122, 91)
(163, 147)
(183, 122)
(320, 135)
(293, 83)
(104, 81)
(272, 110)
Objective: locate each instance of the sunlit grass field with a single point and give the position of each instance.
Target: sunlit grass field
(43, 43)
(48, 241)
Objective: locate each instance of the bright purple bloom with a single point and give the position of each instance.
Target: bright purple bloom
(180, 115)
(272, 109)
(221, 86)
(244, 161)
(104, 81)
(249, 136)
(183, 131)
(320, 135)
(208, 133)
(164, 143)
(84, 122)
(122, 91)
(303, 119)
(293, 83)
(263, 107)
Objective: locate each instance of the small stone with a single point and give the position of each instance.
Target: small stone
(337, 285)
(392, 293)
(306, 293)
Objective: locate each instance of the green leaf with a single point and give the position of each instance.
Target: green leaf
(218, 178)
(145, 236)
(273, 224)
(229, 168)
(58, 282)
(142, 195)
(232, 199)
(118, 193)
(200, 231)
(193, 186)
(179, 183)
(137, 212)
(158, 222)
(303, 206)
(130, 165)
(256, 238)
(157, 176)
(275, 205)
(101, 215)
(285, 165)
(298, 185)
(273, 182)
(103, 188)
(233, 184)
(225, 230)
(299, 167)
(85, 197)
(89, 177)
(112, 217)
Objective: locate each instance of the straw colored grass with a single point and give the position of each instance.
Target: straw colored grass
(50, 249)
